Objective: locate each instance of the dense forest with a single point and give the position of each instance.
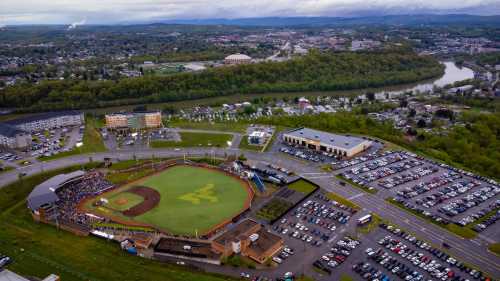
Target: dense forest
(492, 58)
(475, 146)
(314, 72)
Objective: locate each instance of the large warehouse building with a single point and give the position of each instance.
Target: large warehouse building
(342, 145)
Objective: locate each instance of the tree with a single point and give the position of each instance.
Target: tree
(421, 123)
(411, 131)
(140, 108)
(412, 113)
(312, 72)
(248, 110)
(370, 96)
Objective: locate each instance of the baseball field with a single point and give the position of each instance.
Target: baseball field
(183, 200)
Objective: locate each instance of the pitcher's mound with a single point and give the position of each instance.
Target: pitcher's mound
(121, 201)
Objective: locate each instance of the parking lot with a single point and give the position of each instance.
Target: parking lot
(127, 139)
(325, 234)
(311, 229)
(393, 254)
(438, 191)
(51, 142)
(9, 156)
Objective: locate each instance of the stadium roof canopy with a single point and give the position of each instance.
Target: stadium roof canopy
(238, 57)
(343, 141)
(45, 193)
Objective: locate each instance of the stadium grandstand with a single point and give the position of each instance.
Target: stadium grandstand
(56, 200)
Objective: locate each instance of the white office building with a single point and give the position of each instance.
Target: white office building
(48, 121)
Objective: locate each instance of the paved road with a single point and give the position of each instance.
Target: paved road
(471, 251)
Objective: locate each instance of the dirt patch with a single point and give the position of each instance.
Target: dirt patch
(151, 199)
(121, 201)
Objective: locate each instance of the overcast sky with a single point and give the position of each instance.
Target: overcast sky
(129, 11)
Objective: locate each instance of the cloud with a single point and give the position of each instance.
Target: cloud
(75, 24)
(119, 11)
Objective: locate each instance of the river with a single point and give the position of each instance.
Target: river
(452, 73)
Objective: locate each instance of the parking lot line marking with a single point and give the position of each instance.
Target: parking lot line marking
(475, 242)
(356, 196)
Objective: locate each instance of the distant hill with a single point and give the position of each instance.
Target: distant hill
(343, 21)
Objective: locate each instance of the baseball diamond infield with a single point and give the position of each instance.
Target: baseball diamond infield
(181, 200)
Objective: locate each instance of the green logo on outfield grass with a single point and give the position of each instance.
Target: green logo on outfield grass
(204, 193)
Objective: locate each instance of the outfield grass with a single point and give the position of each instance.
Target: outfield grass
(92, 142)
(193, 200)
(189, 139)
(342, 200)
(124, 177)
(123, 165)
(302, 186)
(464, 232)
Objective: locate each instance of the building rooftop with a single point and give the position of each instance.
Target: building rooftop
(243, 228)
(265, 241)
(45, 192)
(41, 116)
(238, 57)
(132, 113)
(7, 275)
(186, 247)
(343, 141)
(8, 130)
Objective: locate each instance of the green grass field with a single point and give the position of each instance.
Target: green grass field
(495, 248)
(302, 186)
(273, 209)
(193, 200)
(39, 249)
(189, 139)
(213, 126)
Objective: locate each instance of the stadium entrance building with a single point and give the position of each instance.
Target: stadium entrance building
(249, 239)
(341, 145)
